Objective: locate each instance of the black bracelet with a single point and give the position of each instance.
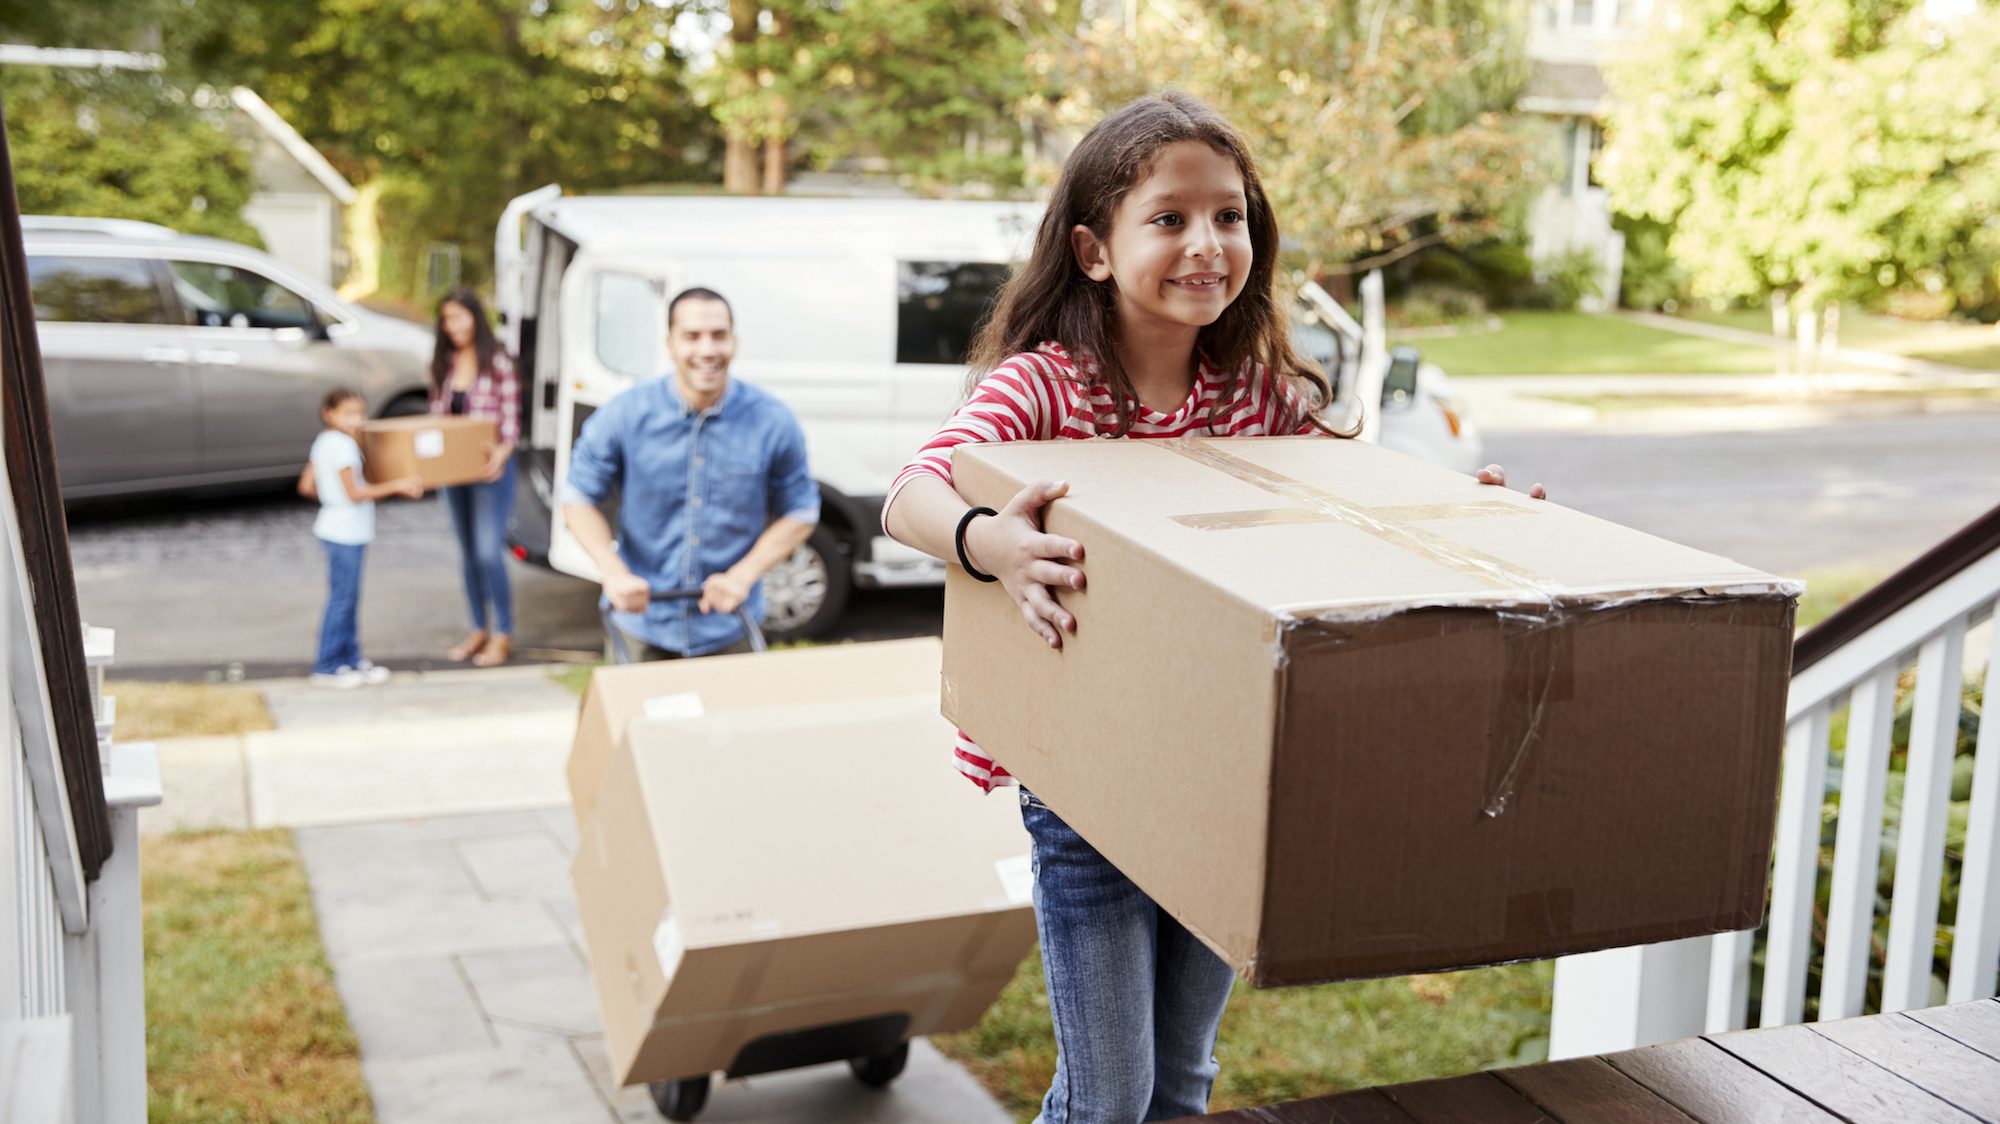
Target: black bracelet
(958, 540)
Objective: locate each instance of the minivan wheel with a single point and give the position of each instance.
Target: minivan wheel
(804, 594)
(407, 406)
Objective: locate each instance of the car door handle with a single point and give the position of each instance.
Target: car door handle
(218, 358)
(164, 355)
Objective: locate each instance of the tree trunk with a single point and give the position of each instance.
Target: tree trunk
(739, 166)
(774, 165)
(739, 154)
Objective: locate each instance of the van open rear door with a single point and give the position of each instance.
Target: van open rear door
(611, 324)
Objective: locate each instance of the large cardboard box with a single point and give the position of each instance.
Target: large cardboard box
(1347, 714)
(440, 450)
(752, 877)
(722, 684)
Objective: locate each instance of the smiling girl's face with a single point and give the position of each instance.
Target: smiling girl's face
(1178, 248)
(347, 416)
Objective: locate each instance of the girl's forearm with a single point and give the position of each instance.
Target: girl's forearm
(925, 515)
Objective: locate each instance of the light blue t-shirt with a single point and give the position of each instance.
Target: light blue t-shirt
(341, 520)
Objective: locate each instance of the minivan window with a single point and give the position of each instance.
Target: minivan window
(940, 304)
(223, 296)
(629, 334)
(92, 290)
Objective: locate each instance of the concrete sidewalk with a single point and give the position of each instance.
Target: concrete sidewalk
(432, 816)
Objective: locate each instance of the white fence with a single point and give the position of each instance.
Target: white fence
(72, 985)
(1917, 659)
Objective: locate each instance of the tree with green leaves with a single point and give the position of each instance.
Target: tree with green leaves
(123, 144)
(1379, 129)
(924, 87)
(458, 107)
(1826, 149)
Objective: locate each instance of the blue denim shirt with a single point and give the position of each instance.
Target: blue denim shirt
(696, 489)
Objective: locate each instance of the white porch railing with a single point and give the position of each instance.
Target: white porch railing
(71, 953)
(1827, 909)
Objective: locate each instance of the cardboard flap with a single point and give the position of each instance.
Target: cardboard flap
(1374, 529)
(803, 819)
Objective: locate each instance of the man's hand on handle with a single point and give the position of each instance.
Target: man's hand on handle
(724, 592)
(626, 591)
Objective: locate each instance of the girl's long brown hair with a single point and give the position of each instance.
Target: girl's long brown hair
(1050, 297)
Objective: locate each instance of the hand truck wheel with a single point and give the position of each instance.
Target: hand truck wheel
(682, 1099)
(877, 1070)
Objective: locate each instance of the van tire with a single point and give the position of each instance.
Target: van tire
(805, 594)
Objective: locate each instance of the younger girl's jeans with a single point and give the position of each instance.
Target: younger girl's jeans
(340, 628)
(1136, 1000)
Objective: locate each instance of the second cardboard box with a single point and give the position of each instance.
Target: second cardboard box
(439, 450)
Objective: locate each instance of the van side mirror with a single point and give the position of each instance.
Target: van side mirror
(1399, 384)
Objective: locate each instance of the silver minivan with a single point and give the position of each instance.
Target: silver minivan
(176, 362)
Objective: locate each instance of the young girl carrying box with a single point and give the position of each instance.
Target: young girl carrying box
(345, 527)
(1148, 308)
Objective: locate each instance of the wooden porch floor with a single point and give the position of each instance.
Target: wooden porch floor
(1941, 1065)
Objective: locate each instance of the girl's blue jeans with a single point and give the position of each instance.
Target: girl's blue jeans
(479, 516)
(340, 628)
(1136, 1000)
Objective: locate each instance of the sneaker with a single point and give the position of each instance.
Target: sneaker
(371, 673)
(346, 679)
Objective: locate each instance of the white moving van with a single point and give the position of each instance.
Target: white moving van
(857, 313)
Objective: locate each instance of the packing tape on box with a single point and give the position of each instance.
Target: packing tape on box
(1394, 525)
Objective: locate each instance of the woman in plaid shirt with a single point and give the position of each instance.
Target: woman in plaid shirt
(472, 375)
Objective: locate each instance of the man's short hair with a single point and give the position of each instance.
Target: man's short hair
(699, 294)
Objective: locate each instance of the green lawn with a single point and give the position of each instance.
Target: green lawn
(1975, 346)
(1298, 1042)
(1579, 343)
(242, 1021)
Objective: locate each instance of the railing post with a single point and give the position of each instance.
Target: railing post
(1624, 998)
(1976, 949)
(1913, 912)
(1796, 867)
(1857, 846)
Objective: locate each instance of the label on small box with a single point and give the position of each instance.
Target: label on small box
(428, 443)
(1017, 878)
(686, 704)
(668, 945)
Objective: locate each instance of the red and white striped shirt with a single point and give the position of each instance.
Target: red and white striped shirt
(1044, 394)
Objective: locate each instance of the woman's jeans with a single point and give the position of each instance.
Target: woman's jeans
(340, 628)
(479, 515)
(1136, 1000)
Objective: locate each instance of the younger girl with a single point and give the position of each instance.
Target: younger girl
(1146, 309)
(472, 375)
(346, 525)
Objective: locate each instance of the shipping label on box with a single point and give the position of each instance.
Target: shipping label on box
(1344, 713)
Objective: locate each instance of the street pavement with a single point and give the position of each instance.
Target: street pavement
(233, 587)
(432, 817)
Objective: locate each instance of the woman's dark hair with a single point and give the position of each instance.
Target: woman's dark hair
(336, 396)
(1051, 298)
(483, 342)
